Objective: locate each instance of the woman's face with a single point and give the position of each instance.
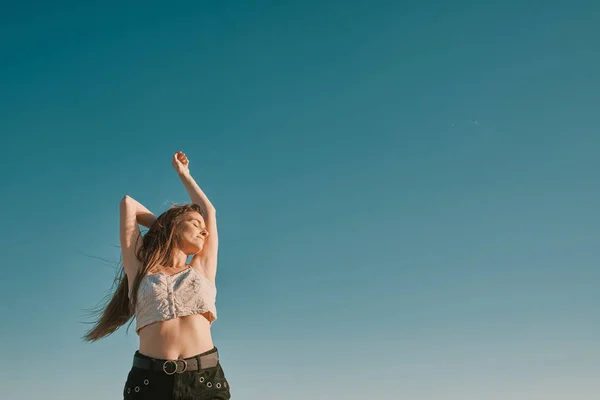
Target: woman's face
(192, 233)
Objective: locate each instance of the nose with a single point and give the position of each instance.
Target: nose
(204, 233)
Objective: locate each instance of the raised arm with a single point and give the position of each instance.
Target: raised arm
(143, 216)
(132, 213)
(207, 258)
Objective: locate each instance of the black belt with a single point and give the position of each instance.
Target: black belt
(179, 366)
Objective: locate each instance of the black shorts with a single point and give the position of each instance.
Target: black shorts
(203, 384)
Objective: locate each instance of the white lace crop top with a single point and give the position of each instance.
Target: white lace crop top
(162, 297)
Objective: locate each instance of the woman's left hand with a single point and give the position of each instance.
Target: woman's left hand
(181, 163)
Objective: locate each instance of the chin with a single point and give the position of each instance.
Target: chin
(193, 247)
(196, 249)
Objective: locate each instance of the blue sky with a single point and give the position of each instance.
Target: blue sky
(407, 191)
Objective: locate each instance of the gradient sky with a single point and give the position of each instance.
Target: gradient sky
(407, 201)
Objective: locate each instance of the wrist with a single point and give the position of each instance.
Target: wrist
(185, 174)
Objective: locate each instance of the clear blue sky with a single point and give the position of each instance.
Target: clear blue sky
(407, 191)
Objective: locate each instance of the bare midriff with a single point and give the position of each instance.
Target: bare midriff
(180, 337)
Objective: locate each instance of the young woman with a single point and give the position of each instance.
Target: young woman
(173, 301)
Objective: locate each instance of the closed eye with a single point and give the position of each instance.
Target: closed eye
(197, 224)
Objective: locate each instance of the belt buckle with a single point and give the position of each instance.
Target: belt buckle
(179, 366)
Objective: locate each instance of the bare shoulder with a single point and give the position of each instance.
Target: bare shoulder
(201, 267)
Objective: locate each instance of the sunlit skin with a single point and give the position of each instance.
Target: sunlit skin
(190, 335)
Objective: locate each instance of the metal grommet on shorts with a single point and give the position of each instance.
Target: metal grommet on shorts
(224, 384)
(208, 384)
(137, 389)
(146, 382)
(128, 390)
(218, 386)
(201, 379)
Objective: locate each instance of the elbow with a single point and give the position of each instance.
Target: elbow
(127, 199)
(125, 202)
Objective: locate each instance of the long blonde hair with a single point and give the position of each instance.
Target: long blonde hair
(157, 248)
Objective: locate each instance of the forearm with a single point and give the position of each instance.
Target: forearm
(196, 194)
(143, 216)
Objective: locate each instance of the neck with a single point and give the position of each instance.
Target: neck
(178, 259)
